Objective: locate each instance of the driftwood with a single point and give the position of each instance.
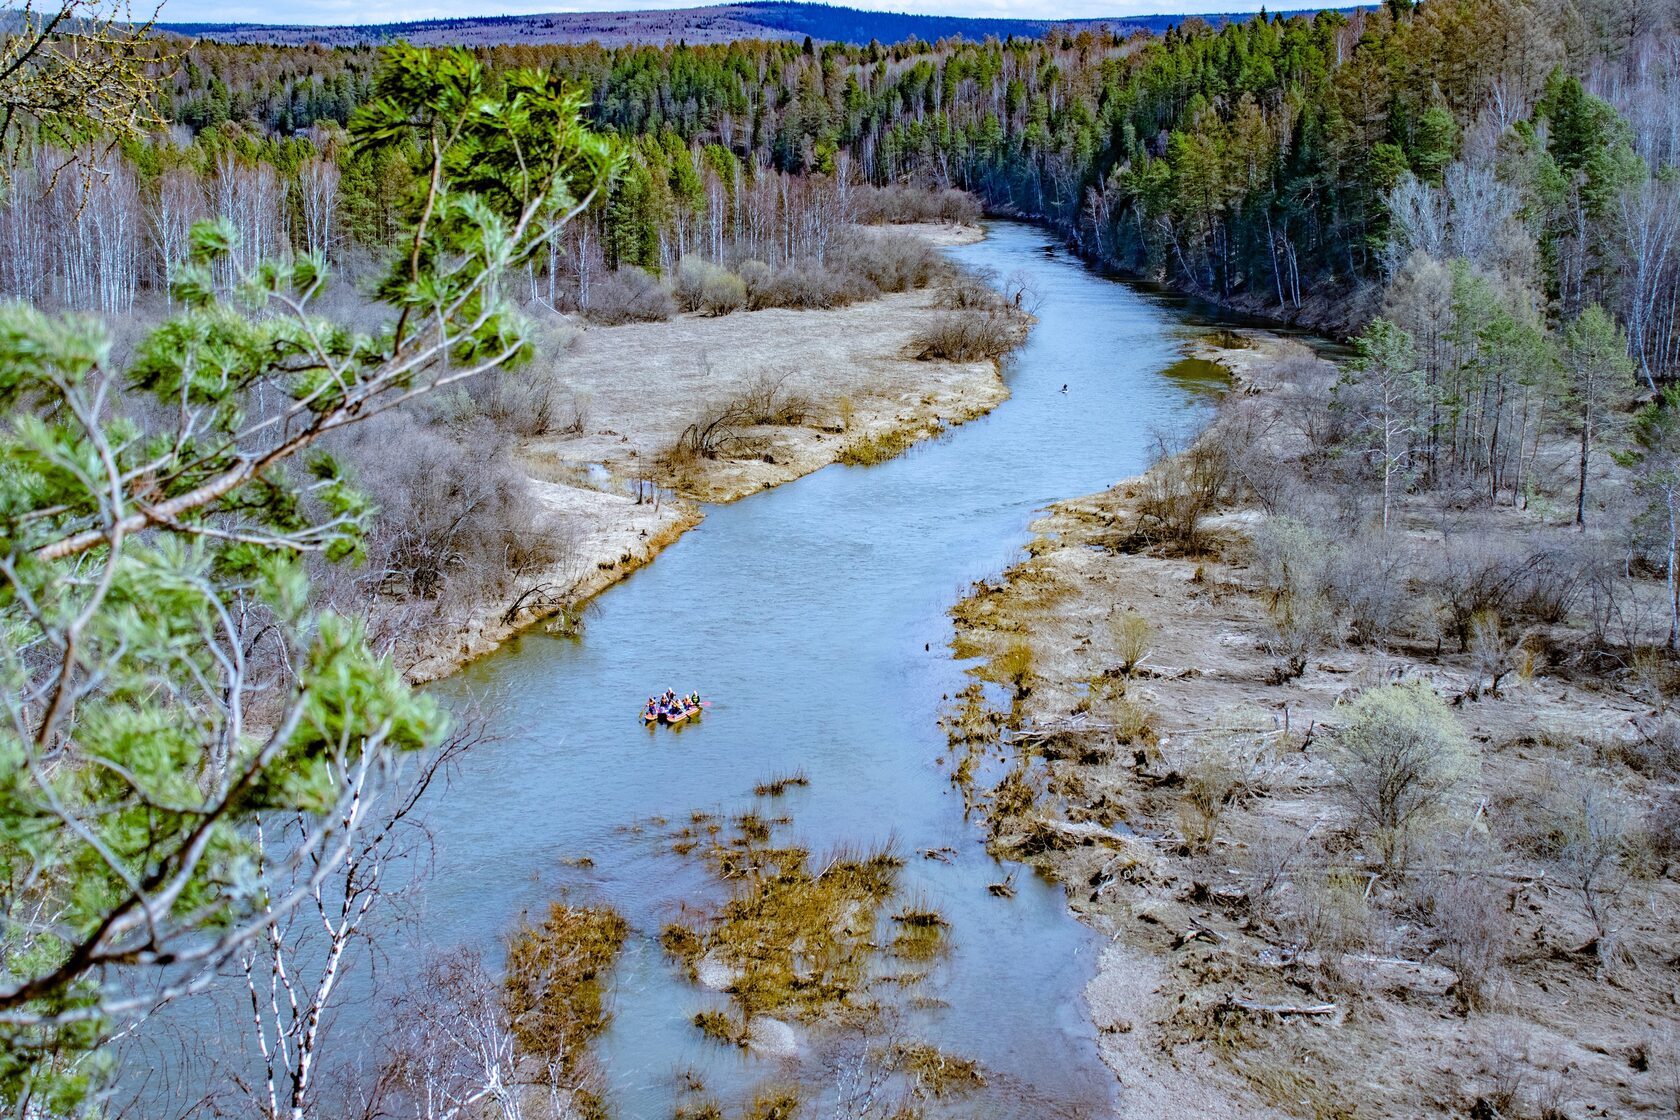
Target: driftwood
(1282, 1010)
(547, 596)
(1044, 732)
(1197, 933)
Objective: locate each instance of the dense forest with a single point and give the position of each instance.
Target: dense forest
(1284, 165)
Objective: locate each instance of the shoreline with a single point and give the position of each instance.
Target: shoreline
(847, 366)
(1203, 943)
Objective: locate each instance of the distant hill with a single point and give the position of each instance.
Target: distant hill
(756, 19)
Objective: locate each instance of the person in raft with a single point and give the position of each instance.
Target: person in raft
(651, 712)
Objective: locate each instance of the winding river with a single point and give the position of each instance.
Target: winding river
(814, 615)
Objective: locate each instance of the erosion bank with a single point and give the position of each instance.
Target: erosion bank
(615, 488)
(1257, 964)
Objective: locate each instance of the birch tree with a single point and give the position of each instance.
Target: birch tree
(1388, 393)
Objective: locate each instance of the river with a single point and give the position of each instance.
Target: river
(814, 616)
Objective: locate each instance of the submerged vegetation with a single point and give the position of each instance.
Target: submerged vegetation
(556, 977)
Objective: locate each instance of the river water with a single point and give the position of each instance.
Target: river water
(814, 616)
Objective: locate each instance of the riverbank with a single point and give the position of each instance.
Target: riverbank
(835, 384)
(1157, 761)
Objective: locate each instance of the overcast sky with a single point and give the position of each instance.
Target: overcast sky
(392, 11)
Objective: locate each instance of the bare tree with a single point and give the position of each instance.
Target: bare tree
(1648, 227)
(318, 202)
(293, 971)
(178, 203)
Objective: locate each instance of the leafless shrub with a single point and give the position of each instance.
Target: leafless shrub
(766, 401)
(1366, 584)
(1219, 770)
(1659, 833)
(970, 290)
(1474, 576)
(1177, 492)
(1507, 1065)
(628, 295)
(722, 294)
(714, 431)
(806, 285)
(692, 273)
(1332, 915)
(1264, 868)
(965, 336)
(1241, 436)
(451, 508)
(703, 286)
(897, 203)
(1398, 760)
(523, 402)
(1470, 925)
(1653, 750)
(1292, 560)
(1583, 829)
(891, 262)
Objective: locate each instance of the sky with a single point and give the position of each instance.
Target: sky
(392, 11)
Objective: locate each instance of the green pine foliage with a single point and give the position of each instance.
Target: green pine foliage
(170, 693)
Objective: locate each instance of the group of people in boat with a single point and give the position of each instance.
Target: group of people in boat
(671, 708)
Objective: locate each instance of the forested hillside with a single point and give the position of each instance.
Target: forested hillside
(1285, 165)
(720, 23)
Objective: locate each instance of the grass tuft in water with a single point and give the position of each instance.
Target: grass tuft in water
(938, 1073)
(798, 935)
(556, 977)
(773, 1102)
(779, 784)
(700, 1110)
(721, 1026)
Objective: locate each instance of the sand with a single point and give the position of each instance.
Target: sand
(640, 385)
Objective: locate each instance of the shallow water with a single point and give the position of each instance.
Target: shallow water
(814, 617)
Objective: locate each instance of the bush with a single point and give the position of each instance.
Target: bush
(692, 273)
(1515, 583)
(628, 295)
(766, 401)
(525, 402)
(709, 288)
(722, 293)
(898, 203)
(452, 507)
(965, 336)
(1471, 929)
(807, 286)
(1398, 762)
(1177, 492)
(891, 262)
(970, 290)
(1365, 583)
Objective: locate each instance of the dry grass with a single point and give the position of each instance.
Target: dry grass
(937, 1073)
(870, 450)
(797, 935)
(779, 784)
(556, 975)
